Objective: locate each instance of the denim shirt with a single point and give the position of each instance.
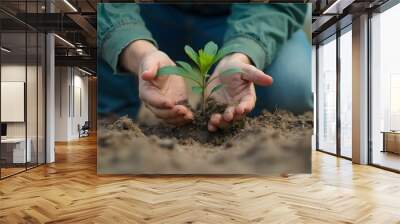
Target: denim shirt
(257, 30)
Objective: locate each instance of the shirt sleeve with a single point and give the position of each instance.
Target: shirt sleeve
(259, 30)
(118, 25)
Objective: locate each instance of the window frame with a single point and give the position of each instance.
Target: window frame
(379, 10)
(334, 37)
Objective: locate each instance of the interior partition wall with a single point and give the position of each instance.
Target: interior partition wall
(23, 90)
(334, 94)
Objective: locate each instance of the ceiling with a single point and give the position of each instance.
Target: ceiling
(76, 23)
(332, 15)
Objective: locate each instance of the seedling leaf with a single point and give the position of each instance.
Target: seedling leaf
(171, 70)
(206, 61)
(185, 65)
(211, 48)
(231, 71)
(197, 90)
(188, 68)
(175, 70)
(192, 55)
(216, 88)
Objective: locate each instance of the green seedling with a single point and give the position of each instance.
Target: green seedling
(203, 61)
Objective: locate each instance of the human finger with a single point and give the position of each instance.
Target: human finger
(253, 74)
(151, 95)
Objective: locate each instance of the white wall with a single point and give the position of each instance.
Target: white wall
(71, 93)
(33, 127)
(16, 72)
(80, 100)
(61, 103)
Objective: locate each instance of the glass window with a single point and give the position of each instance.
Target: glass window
(22, 92)
(14, 150)
(346, 94)
(385, 85)
(327, 96)
(35, 89)
(31, 97)
(313, 80)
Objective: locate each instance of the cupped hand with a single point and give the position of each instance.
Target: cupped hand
(162, 95)
(238, 90)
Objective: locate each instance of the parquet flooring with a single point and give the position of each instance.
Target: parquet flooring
(69, 191)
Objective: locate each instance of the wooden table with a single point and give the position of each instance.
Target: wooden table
(391, 141)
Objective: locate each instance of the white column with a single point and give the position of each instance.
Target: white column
(50, 92)
(360, 90)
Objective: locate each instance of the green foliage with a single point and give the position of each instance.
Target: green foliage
(216, 88)
(203, 60)
(197, 89)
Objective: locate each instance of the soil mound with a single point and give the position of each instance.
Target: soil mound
(268, 144)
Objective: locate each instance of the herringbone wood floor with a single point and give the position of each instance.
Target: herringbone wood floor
(69, 191)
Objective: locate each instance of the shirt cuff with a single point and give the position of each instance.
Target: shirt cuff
(250, 47)
(120, 37)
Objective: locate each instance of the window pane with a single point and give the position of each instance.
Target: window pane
(31, 99)
(32, 86)
(314, 77)
(14, 150)
(386, 88)
(327, 97)
(346, 94)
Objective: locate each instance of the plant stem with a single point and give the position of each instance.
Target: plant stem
(203, 97)
(203, 103)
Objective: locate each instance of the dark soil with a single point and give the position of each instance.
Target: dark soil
(271, 143)
(197, 131)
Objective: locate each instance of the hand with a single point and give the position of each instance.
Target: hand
(238, 91)
(161, 95)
